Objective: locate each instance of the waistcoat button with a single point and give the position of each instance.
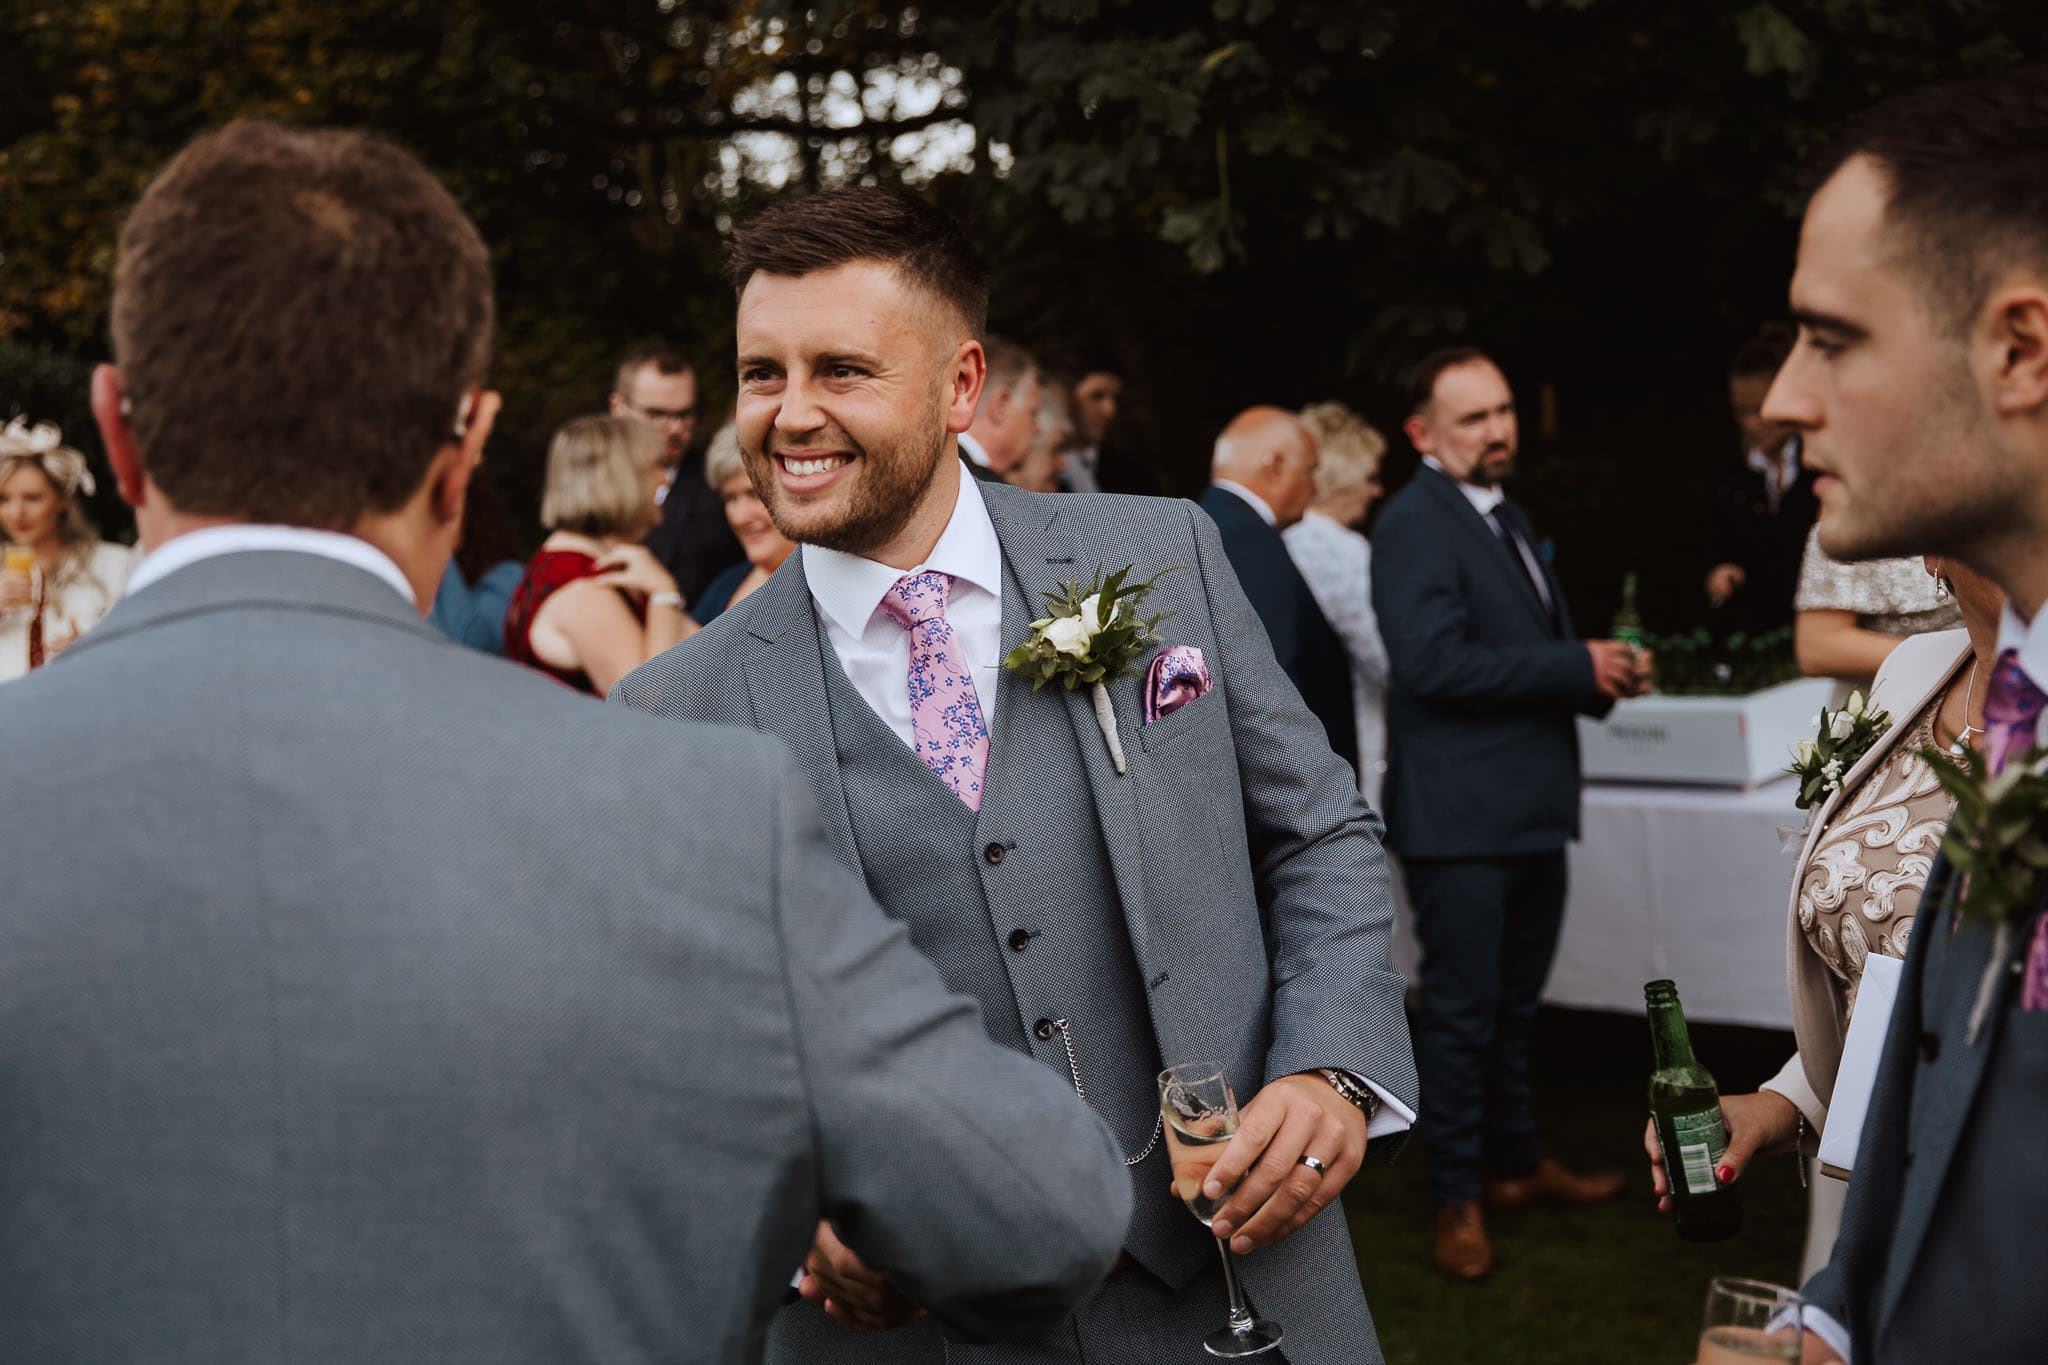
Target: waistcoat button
(1020, 939)
(1044, 1028)
(993, 853)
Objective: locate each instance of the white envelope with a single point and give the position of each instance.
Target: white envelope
(1858, 1073)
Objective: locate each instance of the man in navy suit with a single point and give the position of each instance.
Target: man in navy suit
(1482, 790)
(1265, 467)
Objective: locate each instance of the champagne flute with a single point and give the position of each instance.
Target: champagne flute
(1749, 1321)
(1200, 1117)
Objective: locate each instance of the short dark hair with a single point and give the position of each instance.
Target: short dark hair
(1763, 355)
(1967, 168)
(1422, 379)
(1008, 364)
(664, 357)
(866, 223)
(297, 315)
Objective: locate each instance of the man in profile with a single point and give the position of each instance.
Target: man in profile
(1006, 421)
(393, 1004)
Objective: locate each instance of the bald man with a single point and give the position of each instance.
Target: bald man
(1263, 481)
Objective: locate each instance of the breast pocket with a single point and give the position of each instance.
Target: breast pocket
(1171, 729)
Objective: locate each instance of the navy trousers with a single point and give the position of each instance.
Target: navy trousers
(1488, 929)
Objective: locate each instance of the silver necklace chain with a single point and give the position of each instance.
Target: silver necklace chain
(1962, 738)
(1074, 1067)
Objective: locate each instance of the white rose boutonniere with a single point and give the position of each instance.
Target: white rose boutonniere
(1092, 638)
(1842, 738)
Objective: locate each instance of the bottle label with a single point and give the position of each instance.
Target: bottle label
(1702, 1140)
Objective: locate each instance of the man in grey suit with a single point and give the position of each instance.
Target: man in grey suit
(1223, 898)
(1919, 388)
(369, 999)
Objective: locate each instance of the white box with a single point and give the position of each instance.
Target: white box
(1709, 741)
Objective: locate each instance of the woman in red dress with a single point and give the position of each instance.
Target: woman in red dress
(594, 604)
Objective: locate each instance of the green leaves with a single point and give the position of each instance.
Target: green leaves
(1998, 840)
(1844, 737)
(1092, 634)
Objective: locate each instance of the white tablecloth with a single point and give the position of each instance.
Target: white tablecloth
(1688, 883)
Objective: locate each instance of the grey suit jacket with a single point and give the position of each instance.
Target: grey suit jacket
(365, 998)
(1253, 883)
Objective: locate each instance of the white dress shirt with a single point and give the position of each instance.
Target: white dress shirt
(1258, 504)
(972, 449)
(1487, 501)
(214, 541)
(847, 591)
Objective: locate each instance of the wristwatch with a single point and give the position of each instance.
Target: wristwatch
(1346, 1085)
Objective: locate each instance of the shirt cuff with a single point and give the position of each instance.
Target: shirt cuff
(1821, 1325)
(1393, 1117)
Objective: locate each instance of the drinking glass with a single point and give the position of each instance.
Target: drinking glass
(1749, 1321)
(19, 559)
(1200, 1117)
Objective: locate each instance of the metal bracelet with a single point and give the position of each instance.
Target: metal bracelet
(1074, 1067)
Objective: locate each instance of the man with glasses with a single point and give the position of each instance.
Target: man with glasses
(659, 386)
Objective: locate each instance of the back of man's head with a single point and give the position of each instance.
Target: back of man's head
(297, 317)
(1966, 167)
(1008, 366)
(862, 223)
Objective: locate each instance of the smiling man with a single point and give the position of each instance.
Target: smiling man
(1224, 898)
(1920, 389)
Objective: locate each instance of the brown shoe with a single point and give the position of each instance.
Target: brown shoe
(1551, 1183)
(1462, 1251)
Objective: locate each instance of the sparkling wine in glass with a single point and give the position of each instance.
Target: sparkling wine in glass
(1749, 1322)
(1200, 1117)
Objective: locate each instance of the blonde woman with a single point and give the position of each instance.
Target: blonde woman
(1337, 562)
(594, 604)
(59, 578)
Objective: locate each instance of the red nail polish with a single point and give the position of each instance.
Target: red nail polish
(1725, 1175)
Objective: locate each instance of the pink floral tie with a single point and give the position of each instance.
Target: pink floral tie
(2012, 718)
(946, 723)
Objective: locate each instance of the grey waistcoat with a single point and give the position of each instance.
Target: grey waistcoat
(1018, 908)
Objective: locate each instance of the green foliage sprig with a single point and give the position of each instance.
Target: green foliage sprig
(1998, 841)
(1094, 634)
(1844, 737)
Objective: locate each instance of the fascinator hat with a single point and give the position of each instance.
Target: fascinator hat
(43, 443)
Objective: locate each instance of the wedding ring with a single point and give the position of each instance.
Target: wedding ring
(1315, 1164)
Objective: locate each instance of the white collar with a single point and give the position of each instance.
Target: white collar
(213, 541)
(849, 588)
(1483, 499)
(2031, 642)
(973, 450)
(1258, 504)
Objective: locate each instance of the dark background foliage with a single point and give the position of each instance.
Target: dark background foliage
(1239, 200)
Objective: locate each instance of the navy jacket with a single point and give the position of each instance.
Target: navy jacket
(1308, 649)
(1482, 745)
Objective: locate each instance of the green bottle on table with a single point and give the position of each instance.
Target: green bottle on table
(1685, 1107)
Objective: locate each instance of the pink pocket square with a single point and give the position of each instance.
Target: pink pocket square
(1178, 676)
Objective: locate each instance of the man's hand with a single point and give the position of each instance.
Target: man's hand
(859, 1299)
(1614, 669)
(1763, 1124)
(1724, 581)
(1275, 1193)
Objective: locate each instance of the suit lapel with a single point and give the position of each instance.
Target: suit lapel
(1037, 557)
(785, 669)
(1502, 553)
(1942, 1096)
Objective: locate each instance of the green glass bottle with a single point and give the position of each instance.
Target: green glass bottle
(1685, 1106)
(1628, 622)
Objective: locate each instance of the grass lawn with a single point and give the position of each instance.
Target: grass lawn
(1577, 1286)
